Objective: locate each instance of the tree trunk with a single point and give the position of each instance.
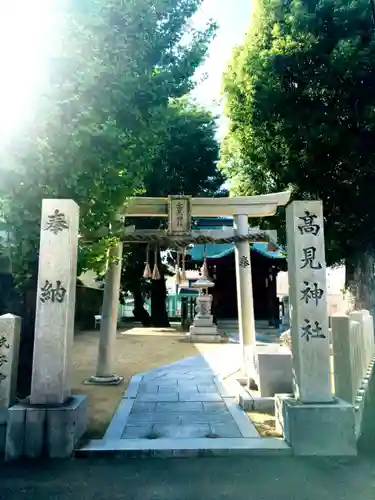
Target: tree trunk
(159, 314)
(139, 312)
(360, 280)
(350, 265)
(25, 361)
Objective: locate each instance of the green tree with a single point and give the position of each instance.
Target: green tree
(185, 164)
(113, 68)
(300, 98)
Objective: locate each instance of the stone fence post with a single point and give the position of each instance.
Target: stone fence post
(353, 349)
(10, 329)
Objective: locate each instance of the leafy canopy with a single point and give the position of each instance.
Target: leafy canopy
(113, 67)
(185, 164)
(301, 103)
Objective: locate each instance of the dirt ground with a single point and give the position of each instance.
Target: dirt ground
(265, 423)
(137, 350)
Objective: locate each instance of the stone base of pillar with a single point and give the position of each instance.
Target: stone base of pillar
(325, 429)
(204, 321)
(204, 334)
(205, 339)
(38, 430)
(109, 380)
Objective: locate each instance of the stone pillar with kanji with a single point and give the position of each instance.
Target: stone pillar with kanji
(308, 301)
(311, 420)
(52, 420)
(54, 323)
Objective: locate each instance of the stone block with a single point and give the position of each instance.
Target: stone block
(33, 431)
(263, 404)
(316, 429)
(35, 420)
(275, 372)
(65, 426)
(206, 321)
(15, 434)
(203, 330)
(245, 401)
(204, 334)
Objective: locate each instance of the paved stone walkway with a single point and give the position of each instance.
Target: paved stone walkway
(184, 405)
(182, 400)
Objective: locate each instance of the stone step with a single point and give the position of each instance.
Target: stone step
(170, 448)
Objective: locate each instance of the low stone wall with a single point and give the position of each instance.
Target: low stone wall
(353, 358)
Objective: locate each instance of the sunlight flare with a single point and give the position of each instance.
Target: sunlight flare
(25, 31)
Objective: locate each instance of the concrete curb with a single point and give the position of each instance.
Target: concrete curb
(133, 387)
(200, 447)
(117, 425)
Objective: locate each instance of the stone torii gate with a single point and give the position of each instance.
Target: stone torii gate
(180, 210)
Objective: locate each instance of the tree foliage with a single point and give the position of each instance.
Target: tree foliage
(301, 99)
(113, 67)
(185, 164)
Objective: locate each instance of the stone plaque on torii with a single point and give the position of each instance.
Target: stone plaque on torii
(179, 215)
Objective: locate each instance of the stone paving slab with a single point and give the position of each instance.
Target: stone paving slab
(225, 430)
(143, 407)
(209, 388)
(157, 398)
(214, 407)
(182, 431)
(137, 431)
(179, 407)
(199, 397)
(154, 418)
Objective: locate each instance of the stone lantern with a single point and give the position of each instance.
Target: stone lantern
(203, 328)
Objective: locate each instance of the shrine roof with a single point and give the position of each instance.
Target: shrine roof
(220, 250)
